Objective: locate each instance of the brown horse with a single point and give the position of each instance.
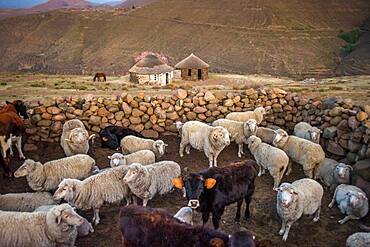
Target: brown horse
(100, 75)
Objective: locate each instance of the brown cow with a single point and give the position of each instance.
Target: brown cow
(11, 129)
(144, 226)
(100, 75)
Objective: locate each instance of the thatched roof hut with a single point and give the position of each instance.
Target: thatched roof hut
(152, 70)
(193, 68)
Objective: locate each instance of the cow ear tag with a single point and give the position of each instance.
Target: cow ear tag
(210, 183)
(177, 182)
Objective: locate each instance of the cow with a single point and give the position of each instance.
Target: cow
(111, 136)
(144, 226)
(211, 190)
(11, 130)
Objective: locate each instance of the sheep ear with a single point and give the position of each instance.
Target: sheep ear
(59, 219)
(178, 183)
(210, 183)
(166, 145)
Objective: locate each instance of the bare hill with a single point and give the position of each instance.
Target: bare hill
(280, 37)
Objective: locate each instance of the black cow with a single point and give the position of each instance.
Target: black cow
(111, 136)
(144, 226)
(211, 190)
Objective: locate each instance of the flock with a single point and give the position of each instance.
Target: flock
(49, 215)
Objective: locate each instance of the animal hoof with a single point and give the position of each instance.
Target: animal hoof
(281, 232)
(22, 157)
(341, 222)
(316, 219)
(330, 205)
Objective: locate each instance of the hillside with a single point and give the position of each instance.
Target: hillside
(57, 4)
(279, 37)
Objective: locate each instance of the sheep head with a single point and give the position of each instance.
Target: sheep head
(287, 194)
(342, 172)
(219, 136)
(250, 127)
(281, 137)
(78, 137)
(356, 199)
(315, 134)
(260, 112)
(65, 213)
(134, 171)
(116, 159)
(252, 142)
(160, 147)
(28, 167)
(66, 189)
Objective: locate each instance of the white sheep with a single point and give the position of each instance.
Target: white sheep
(94, 191)
(82, 230)
(201, 136)
(358, 239)
(333, 173)
(57, 227)
(302, 197)
(351, 201)
(46, 177)
(267, 135)
(25, 202)
(304, 152)
(268, 157)
(185, 214)
(306, 131)
(239, 131)
(147, 181)
(131, 144)
(257, 114)
(144, 157)
(75, 138)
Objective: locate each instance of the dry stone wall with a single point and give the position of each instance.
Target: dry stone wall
(346, 127)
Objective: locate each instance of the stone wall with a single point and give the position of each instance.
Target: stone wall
(346, 128)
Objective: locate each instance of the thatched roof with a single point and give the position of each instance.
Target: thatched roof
(150, 65)
(192, 62)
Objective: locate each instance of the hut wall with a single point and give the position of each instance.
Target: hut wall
(194, 74)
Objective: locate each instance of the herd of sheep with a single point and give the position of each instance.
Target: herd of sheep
(135, 173)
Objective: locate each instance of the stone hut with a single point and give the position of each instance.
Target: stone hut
(193, 68)
(151, 70)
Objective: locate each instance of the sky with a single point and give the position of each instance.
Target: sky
(30, 3)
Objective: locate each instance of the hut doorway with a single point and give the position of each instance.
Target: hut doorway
(199, 74)
(167, 79)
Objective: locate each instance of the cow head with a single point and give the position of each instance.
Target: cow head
(194, 185)
(65, 213)
(356, 199)
(315, 134)
(20, 108)
(280, 138)
(287, 194)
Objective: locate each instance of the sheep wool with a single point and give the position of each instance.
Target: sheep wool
(75, 138)
(306, 131)
(257, 114)
(25, 202)
(132, 144)
(46, 177)
(358, 239)
(147, 181)
(40, 229)
(144, 157)
(267, 135)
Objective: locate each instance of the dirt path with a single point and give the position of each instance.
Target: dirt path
(264, 222)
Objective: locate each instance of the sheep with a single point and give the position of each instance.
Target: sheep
(268, 157)
(94, 191)
(358, 239)
(185, 214)
(82, 230)
(147, 181)
(46, 177)
(304, 152)
(131, 144)
(75, 138)
(144, 157)
(239, 131)
(212, 140)
(56, 227)
(333, 173)
(306, 131)
(351, 201)
(257, 114)
(267, 135)
(25, 202)
(302, 197)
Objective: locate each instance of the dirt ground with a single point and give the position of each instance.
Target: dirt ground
(264, 222)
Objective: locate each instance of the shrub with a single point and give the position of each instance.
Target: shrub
(3, 83)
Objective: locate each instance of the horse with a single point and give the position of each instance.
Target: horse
(100, 75)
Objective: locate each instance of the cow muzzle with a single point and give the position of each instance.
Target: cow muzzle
(193, 204)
